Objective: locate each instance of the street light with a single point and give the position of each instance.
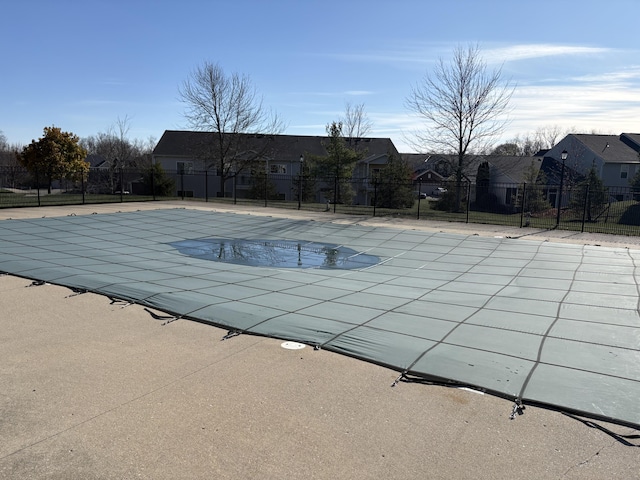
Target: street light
(300, 181)
(563, 156)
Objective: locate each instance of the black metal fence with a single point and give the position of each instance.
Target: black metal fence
(614, 210)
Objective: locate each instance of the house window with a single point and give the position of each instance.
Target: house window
(624, 171)
(277, 168)
(510, 195)
(184, 168)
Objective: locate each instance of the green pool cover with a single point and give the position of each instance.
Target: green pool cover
(540, 323)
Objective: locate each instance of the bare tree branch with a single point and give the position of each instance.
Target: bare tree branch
(229, 107)
(355, 123)
(461, 102)
(463, 105)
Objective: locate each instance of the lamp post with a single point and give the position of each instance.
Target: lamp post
(563, 156)
(300, 180)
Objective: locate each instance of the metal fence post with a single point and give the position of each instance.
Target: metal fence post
(523, 203)
(206, 185)
(585, 206)
(375, 195)
(419, 195)
(121, 185)
(153, 183)
(266, 186)
(468, 199)
(82, 186)
(38, 186)
(235, 188)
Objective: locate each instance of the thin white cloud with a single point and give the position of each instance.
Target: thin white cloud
(542, 50)
(424, 53)
(624, 76)
(579, 107)
(357, 93)
(348, 93)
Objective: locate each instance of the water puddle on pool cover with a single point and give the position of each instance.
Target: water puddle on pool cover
(275, 253)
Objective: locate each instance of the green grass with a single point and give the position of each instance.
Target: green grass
(10, 199)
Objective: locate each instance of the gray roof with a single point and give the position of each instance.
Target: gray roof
(631, 139)
(512, 166)
(97, 161)
(178, 143)
(612, 148)
(416, 160)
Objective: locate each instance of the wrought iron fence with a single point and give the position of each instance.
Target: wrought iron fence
(614, 210)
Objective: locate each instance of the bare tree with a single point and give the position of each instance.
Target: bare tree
(356, 123)
(229, 107)
(114, 144)
(120, 153)
(530, 143)
(464, 106)
(5, 152)
(508, 149)
(548, 136)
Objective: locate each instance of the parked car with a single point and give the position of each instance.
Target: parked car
(439, 191)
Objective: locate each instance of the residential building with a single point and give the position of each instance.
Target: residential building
(506, 173)
(191, 158)
(615, 158)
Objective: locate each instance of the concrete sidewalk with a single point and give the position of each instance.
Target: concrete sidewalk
(91, 389)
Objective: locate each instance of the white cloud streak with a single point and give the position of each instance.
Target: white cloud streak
(421, 54)
(530, 51)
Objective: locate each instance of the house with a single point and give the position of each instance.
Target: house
(615, 158)
(365, 173)
(506, 173)
(98, 162)
(430, 172)
(190, 158)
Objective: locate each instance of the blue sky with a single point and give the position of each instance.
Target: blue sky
(83, 64)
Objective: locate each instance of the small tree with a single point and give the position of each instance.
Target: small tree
(55, 156)
(336, 168)
(590, 195)
(261, 186)
(308, 181)
(531, 197)
(394, 187)
(634, 183)
(156, 182)
(483, 180)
